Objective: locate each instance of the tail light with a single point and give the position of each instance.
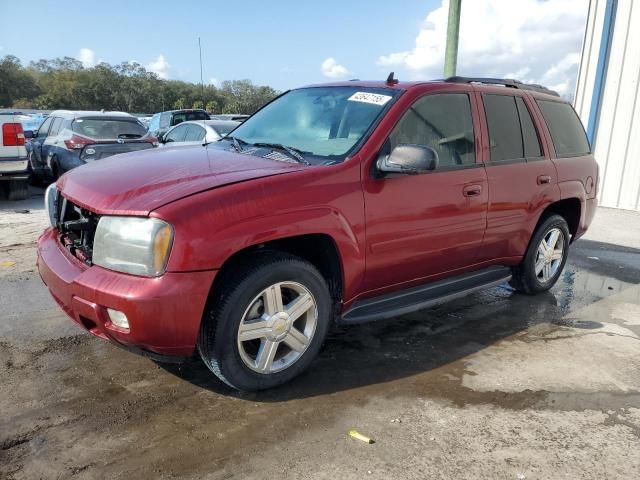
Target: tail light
(77, 142)
(12, 135)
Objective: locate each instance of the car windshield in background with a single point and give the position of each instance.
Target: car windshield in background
(325, 122)
(108, 128)
(223, 127)
(189, 116)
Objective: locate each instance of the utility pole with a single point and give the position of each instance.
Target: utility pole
(201, 76)
(453, 29)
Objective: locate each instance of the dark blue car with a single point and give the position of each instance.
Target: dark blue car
(66, 140)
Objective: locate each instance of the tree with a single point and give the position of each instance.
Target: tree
(64, 83)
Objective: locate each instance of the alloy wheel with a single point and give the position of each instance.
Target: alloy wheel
(549, 255)
(277, 327)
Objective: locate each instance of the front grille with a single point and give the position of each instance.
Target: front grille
(77, 227)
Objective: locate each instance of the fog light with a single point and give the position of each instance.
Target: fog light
(118, 318)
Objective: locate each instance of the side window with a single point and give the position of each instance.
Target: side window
(44, 128)
(165, 119)
(505, 137)
(566, 130)
(177, 134)
(55, 127)
(194, 133)
(529, 134)
(443, 122)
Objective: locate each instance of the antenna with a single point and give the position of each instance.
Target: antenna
(204, 124)
(391, 80)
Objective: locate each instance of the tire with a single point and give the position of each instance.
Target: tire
(56, 172)
(541, 267)
(18, 189)
(248, 293)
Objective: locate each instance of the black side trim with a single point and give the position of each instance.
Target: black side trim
(424, 296)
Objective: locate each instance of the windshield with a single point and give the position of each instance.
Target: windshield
(324, 122)
(105, 128)
(224, 128)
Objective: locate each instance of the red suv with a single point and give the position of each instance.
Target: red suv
(345, 202)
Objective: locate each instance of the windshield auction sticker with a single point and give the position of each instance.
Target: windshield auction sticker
(367, 97)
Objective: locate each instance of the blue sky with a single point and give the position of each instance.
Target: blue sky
(289, 43)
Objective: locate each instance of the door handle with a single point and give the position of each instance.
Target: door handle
(544, 179)
(472, 190)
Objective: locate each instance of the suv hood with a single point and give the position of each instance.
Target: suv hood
(137, 183)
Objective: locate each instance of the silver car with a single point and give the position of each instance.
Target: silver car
(197, 132)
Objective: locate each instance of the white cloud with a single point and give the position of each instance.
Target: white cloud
(159, 66)
(332, 69)
(214, 81)
(87, 57)
(538, 41)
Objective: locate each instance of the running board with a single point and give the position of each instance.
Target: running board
(424, 296)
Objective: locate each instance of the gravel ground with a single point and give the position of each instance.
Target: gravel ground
(495, 385)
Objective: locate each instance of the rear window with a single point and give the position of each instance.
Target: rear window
(108, 128)
(188, 116)
(567, 133)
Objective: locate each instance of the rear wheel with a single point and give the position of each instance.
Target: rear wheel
(18, 189)
(545, 257)
(266, 323)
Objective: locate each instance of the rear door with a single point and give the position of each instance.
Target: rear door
(423, 225)
(522, 178)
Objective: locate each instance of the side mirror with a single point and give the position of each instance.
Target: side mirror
(29, 134)
(409, 159)
(160, 138)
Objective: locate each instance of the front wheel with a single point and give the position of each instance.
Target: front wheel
(545, 257)
(266, 323)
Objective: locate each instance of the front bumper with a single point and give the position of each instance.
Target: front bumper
(164, 313)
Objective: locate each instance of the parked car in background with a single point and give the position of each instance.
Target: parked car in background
(161, 122)
(144, 119)
(66, 140)
(205, 131)
(32, 122)
(237, 117)
(14, 168)
(347, 202)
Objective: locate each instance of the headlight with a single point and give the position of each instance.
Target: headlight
(139, 246)
(50, 203)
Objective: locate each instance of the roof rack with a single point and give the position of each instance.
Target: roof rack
(507, 82)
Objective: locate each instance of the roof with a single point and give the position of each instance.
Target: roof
(489, 84)
(89, 113)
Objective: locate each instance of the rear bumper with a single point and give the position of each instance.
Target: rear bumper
(164, 313)
(12, 167)
(586, 217)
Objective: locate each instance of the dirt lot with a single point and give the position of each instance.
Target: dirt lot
(497, 385)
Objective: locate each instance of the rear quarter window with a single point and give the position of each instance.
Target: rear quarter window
(567, 133)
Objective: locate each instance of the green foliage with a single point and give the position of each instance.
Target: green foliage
(63, 83)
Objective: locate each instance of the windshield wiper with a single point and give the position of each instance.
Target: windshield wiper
(293, 152)
(236, 142)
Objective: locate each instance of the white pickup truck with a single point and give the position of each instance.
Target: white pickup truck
(14, 170)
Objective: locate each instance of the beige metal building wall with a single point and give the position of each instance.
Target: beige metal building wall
(610, 108)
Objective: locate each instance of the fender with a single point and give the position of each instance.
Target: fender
(575, 189)
(211, 226)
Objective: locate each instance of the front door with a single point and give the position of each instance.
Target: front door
(423, 225)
